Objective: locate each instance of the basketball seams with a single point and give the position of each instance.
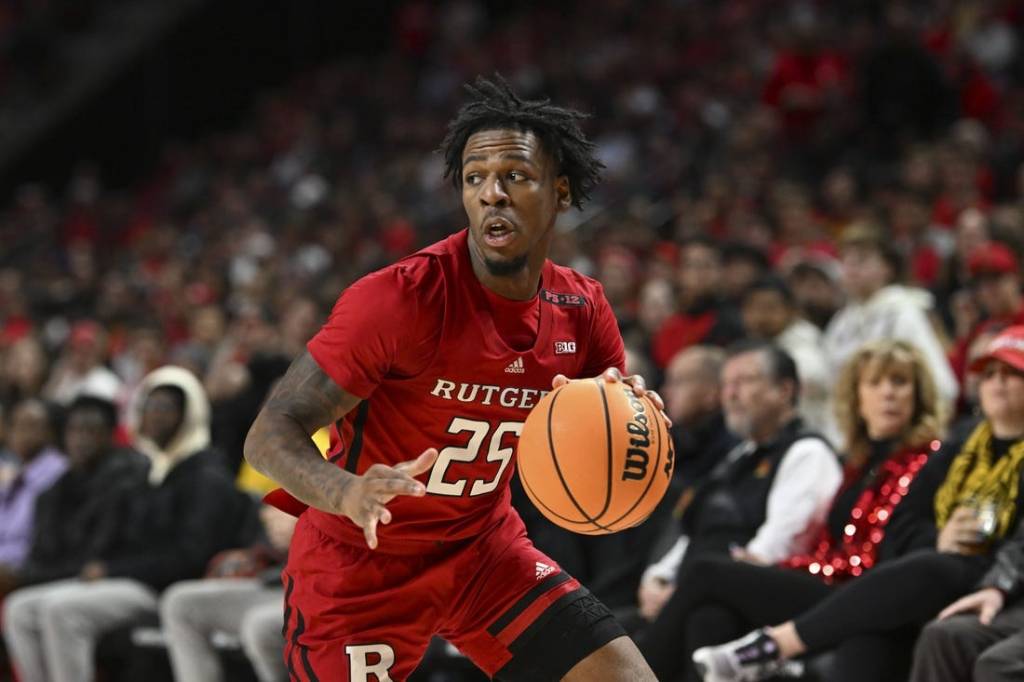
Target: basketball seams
(608, 441)
(650, 479)
(537, 501)
(558, 468)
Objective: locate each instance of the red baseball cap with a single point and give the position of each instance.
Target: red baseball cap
(1007, 347)
(991, 258)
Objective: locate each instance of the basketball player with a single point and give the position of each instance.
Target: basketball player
(443, 354)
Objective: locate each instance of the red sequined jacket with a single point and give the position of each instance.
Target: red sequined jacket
(836, 560)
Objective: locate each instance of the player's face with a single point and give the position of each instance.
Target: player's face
(512, 196)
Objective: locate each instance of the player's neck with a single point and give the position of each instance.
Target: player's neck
(519, 286)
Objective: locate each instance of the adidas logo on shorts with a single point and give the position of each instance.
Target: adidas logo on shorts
(516, 367)
(543, 570)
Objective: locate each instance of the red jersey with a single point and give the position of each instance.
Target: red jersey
(418, 341)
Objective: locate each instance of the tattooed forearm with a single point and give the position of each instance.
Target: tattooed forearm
(279, 442)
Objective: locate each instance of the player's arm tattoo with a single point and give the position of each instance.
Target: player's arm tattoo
(279, 444)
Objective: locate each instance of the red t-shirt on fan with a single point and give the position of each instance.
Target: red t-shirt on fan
(420, 343)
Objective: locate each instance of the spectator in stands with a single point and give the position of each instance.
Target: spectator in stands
(75, 519)
(979, 637)
(25, 369)
(692, 392)
(814, 282)
(168, 528)
(766, 500)
(769, 312)
(742, 265)
(702, 317)
(31, 437)
(889, 417)
(995, 280)
(242, 597)
(80, 370)
(693, 401)
(960, 507)
(879, 307)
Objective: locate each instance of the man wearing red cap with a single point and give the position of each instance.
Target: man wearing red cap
(995, 285)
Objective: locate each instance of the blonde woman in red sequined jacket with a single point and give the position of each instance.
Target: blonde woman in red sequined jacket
(961, 506)
(888, 410)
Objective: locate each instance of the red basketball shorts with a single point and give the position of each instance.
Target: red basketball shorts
(356, 615)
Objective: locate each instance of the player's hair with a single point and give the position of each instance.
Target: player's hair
(494, 105)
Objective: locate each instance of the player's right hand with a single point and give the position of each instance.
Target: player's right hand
(364, 497)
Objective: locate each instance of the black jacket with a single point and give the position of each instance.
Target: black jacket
(1007, 574)
(77, 519)
(171, 531)
(913, 526)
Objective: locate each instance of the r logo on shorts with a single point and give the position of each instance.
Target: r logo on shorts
(359, 665)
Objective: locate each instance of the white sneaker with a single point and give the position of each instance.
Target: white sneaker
(750, 658)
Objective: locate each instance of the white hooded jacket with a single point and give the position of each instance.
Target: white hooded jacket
(194, 433)
(892, 312)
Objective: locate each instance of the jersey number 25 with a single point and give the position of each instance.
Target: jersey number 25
(478, 431)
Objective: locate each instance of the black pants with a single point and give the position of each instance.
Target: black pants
(962, 649)
(906, 592)
(718, 599)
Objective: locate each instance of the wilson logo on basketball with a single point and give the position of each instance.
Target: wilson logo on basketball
(637, 456)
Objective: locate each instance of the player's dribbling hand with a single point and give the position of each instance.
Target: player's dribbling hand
(639, 386)
(364, 497)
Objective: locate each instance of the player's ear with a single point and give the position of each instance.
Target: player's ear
(564, 193)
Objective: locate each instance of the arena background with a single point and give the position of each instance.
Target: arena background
(194, 181)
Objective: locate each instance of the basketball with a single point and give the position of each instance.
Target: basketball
(594, 458)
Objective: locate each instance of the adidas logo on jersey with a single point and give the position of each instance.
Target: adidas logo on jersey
(516, 367)
(543, 570)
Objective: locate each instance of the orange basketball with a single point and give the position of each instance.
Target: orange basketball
(594, 458)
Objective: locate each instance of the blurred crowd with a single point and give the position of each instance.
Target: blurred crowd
(815, 176)
(33, 36)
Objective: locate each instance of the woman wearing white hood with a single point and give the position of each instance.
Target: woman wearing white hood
(170, 527)
(878, 307)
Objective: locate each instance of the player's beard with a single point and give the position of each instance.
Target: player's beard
(506, 268)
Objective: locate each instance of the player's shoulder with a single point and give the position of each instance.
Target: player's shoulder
(421, 272)
(567, 287)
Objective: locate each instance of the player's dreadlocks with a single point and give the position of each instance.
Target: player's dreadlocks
(495, 105)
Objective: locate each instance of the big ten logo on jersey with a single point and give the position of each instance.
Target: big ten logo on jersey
(365, 660)
(569, 300)
(565, 347)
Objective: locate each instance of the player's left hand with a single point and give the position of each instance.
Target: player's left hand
(613, 375)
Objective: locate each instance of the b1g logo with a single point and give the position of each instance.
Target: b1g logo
(360, 667)
(565, 347)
